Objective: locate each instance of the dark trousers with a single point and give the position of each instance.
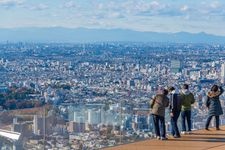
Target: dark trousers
(209, 119)
(159, 124)
(174, 127)
(186, 115)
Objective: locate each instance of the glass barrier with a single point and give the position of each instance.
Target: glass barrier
(85, 126)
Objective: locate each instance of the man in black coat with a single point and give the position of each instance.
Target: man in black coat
(175, 108)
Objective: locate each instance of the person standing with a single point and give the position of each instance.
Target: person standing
(158, 105)
(214, 105)
(187, 100)
(175, 108)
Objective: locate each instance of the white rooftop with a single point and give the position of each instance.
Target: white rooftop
(9, 134)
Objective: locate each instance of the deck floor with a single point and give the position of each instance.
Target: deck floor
(198, 140)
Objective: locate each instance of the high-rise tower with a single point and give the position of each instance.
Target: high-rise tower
(175, 66)
(223, 73)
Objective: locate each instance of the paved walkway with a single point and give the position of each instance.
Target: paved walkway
(198, 140)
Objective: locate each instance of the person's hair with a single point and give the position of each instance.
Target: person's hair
(185, 86)
(171, 88)
(214, 88)
(165, 92)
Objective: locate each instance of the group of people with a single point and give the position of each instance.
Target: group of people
(180, 104)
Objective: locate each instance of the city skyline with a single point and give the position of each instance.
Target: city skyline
(97, 95)
(144, 15)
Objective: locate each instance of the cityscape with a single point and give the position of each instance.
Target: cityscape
(96, 95)
(83, 74)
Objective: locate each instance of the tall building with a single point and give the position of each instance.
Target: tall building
(223, 73)
(94, 116)
(35, 125)
(76, 127)
(76, 115)
(43, 125)
(175, 66)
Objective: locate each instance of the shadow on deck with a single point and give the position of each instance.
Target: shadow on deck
(198, 140)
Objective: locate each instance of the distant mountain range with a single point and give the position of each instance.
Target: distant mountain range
(73, 35)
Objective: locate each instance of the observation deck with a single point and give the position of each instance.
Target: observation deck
(197, 140)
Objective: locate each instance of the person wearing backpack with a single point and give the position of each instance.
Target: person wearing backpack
(187, 100)
(175, 108)
(158, 105)
(214, 105)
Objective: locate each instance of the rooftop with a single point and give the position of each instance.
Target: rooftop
(198, 140)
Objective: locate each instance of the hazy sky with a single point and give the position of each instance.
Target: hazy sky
(142, 15)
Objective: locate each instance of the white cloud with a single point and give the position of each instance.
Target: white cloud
(155, 5)
(215, 5)
(11, 3)
(212, 10)
(115, 15)
(184, 8)
(70, 4)
(39, 7)
(143, 15)
(127, 8)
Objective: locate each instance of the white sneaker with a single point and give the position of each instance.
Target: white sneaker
(189, 132)
(158, 138)
(183, 132)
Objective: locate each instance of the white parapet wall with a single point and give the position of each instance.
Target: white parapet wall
(10, 135)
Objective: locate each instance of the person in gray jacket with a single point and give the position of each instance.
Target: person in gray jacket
(214, 106)
(158, 105)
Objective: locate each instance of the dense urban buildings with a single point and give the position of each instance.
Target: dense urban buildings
(95, 95)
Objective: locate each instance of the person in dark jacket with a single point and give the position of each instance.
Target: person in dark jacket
(175, 108)
(158, 105)
(214, 106)
(187, 100)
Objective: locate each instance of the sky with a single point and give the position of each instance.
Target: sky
(141, 15)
